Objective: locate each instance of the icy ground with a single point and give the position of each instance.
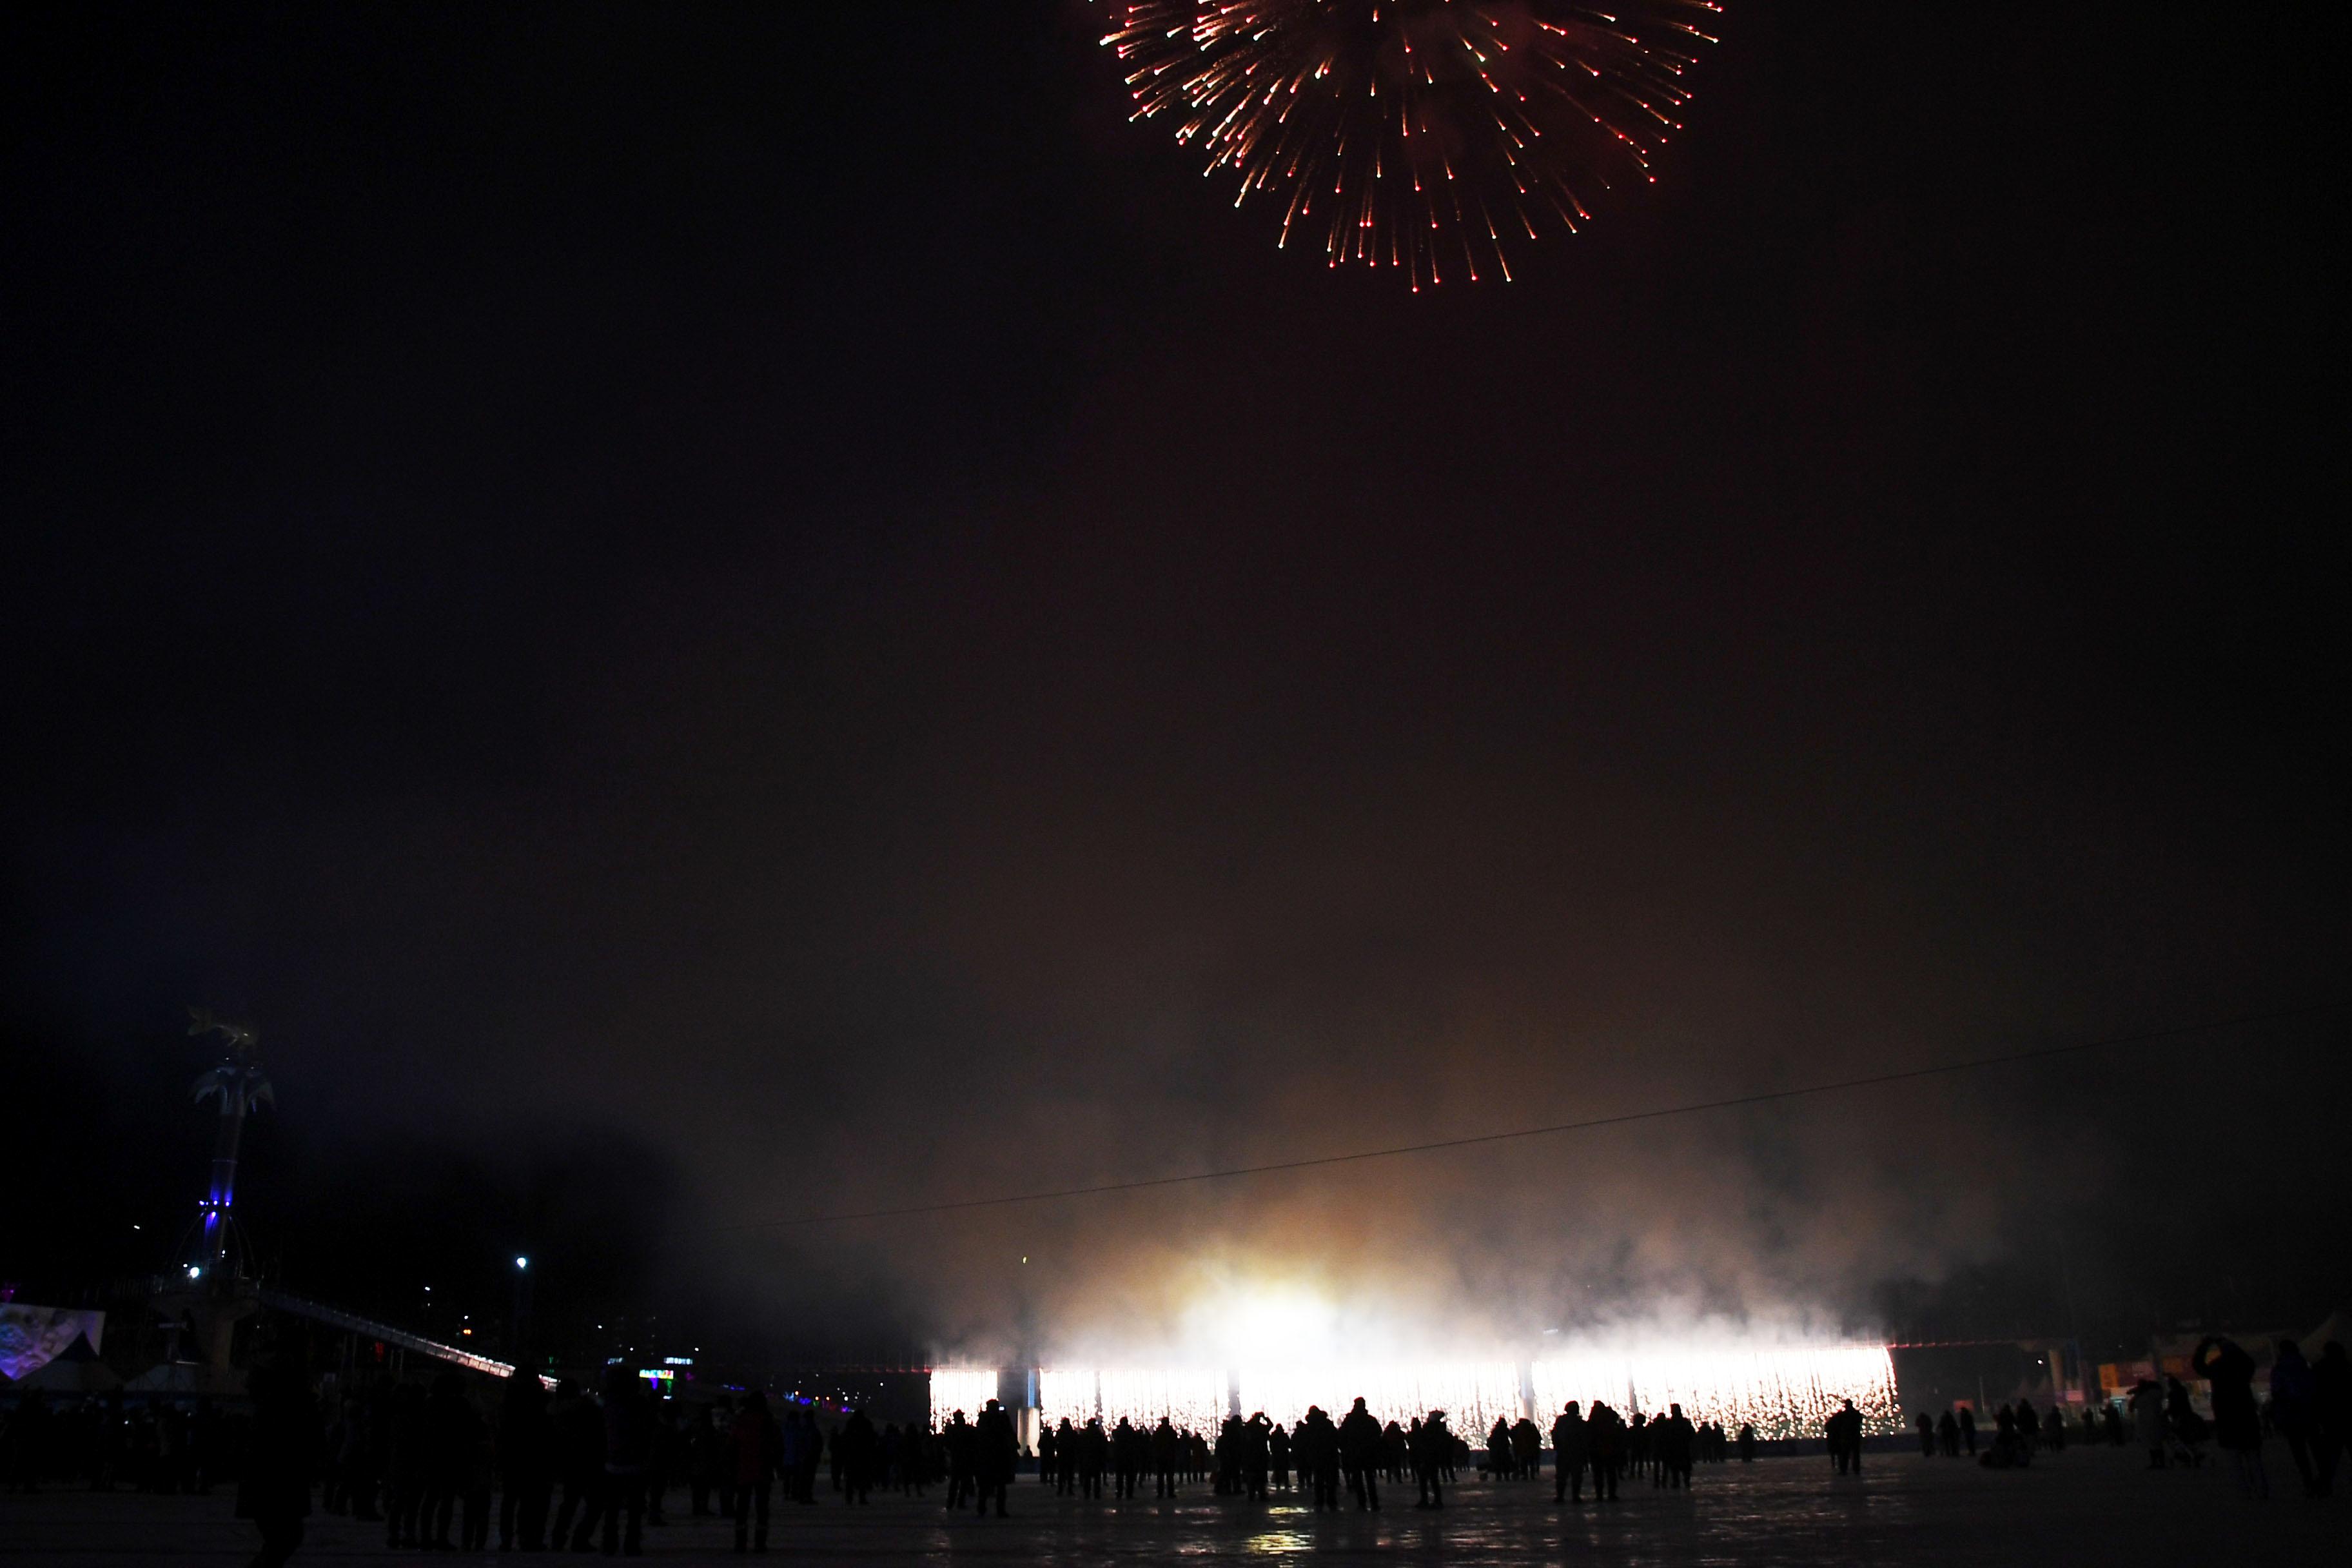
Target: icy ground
(2080, 1509)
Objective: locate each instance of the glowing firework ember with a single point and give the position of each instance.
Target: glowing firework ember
(1416, 133)
(1782, 1393)
(960, 1388)
(1471, 1393)
(1193, 1397)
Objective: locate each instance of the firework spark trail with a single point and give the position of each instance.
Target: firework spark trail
(1335, 108)
(1191, 1397)
(1782, 1391)
(966, 1389)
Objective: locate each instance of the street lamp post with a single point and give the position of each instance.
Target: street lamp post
(521, 1306)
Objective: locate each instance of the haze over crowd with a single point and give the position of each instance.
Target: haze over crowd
(682, 682)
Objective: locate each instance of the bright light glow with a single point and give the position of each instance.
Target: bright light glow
(522, 1262)
(1191, 1397)
(1783, 1392)
(963, 1388)
(1261, 1325)
(1471, 1394)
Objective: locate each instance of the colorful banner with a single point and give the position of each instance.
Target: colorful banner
(31, 1337)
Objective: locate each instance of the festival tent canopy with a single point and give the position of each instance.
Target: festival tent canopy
(77, 1370)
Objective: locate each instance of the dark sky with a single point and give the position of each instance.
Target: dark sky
(773, 601)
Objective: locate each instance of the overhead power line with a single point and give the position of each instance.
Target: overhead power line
(1765, 1097)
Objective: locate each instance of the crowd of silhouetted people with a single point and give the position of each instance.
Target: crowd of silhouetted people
(571, 1468)
(2309, 1408)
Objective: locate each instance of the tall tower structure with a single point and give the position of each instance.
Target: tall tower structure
(241, 1086)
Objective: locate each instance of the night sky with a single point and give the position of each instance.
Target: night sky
(719, 613)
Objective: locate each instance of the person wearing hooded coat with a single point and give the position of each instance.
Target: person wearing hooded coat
(996, 1451)
(755, 1452)
(2331, 1382)
(2236, 1421)
(860, 1448)
(2295, 1411)
(1360, 1452)
(451, 1432)
(577, 1429)
(1166, 1457)
(526, 1454)
(628, 1450)
(1432, 1439)
(282, 1448)
(1569, 1451)
(405, 1477)
(1605, 1443)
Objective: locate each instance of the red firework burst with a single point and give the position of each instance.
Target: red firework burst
(1412, 134)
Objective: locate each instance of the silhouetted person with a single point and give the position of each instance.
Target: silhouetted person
(578, 1429)
(1499, 1450)
(2295, 1411)
(1434, 1441)
(860, 1450)
(1571, 1450)
(1317, 1447)
(1360, 1448)
(1747, 1443)
(2182, 1423)
(526, 1454)
(1094, 1457)
(1927, 1424)
(204, 1443)
(449, 1424)
(1947, 1434)
(661, 1459)
(2008, 1451)
(406, 1477)
(2148, 1420)
(1049, 1451)
(1167, 1457)
(804, 1451)
(1968, 1430)
(1606, 1442)
(1671, 1440)
(1277, 1449)
(2029, 1426)
(31, 1441)
(963, 1456)
(2331, 1383)
(2237, 1422)
(2053, 1430)
(1527, 1449)
(997, 1454)
(703, 1451)
(282, 1448)
(756, 1450)
(1844, 1428)
(370, 1450)
(1127, 1454)
(1256, 1456)
(628, 1448)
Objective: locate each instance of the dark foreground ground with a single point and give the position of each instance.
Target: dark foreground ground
(2083, 1508)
